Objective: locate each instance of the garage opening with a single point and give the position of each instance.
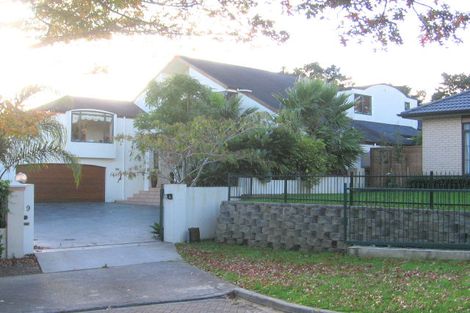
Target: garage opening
(55, 183)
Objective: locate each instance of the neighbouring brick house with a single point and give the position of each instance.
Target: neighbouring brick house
(446, 133)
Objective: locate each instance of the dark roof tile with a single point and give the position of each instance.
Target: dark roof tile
(381, 133)
(456, 104)
(67, 103)
(263, 84)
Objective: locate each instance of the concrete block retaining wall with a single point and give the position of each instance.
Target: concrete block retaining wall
(286, 226)
(423, 226)
(321, 227)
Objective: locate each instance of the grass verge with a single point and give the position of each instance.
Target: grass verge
(338, 282)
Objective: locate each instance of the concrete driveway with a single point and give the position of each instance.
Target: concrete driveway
(68, 225)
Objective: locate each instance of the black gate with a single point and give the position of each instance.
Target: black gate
(162, 194)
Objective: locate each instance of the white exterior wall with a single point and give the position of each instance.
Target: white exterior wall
(112, 156)
(442, 145)
(387, 103)
(246, 101)
(191, 207)
(20, 220)
(326, 185)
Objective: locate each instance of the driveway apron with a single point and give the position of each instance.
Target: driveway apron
(77, 236)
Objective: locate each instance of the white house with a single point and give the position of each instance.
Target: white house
(92, 126)
(375, 113)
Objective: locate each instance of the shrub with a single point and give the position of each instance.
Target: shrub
(157, 231)
(1, 246)
(4, 192)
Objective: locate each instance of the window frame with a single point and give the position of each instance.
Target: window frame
(465, 144)
(361, 97)
(407, 105)
(92, 112)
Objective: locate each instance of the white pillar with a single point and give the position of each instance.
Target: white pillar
(20, 220)
(174, 214)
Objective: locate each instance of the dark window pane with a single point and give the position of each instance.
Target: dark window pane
(92, 127)
(362, 104)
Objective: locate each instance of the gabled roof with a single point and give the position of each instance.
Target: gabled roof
(381, 133)
(264, 85)
(67, 103)
(456, 104)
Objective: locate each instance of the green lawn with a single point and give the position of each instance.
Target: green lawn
(338, 282)
(389, 199)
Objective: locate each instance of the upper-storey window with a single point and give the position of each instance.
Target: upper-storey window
(91, 126)
(363, 104)
(407, 105)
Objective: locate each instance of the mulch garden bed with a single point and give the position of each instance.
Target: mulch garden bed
(20, 266)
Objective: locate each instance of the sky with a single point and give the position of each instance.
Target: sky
(121, 67)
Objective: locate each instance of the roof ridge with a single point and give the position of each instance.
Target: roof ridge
(188, 59)
(448, 97)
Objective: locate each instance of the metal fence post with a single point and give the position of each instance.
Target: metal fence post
(251, 186)
(229, 186)
(431, 193)
(345, 213)
(285, 190)
(351, 186)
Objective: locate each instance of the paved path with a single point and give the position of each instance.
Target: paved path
(202, 306)
(65, 225)
(100, 288)
(105, 256)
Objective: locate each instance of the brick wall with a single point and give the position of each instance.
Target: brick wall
(442, 145)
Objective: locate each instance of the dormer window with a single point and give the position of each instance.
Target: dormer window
(92, 126)
(362, 104)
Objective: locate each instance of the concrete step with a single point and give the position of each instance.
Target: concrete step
(150, 197)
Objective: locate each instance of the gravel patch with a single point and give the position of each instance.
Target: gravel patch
(20, 266)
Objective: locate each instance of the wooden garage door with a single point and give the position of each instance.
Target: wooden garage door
(55, 183)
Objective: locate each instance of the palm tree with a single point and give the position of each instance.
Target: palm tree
(315, 108)
(48, 145)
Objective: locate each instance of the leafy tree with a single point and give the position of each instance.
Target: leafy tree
(419, 95)
(314, 107)
(201, 136)
(190, 127)
(280, 152)
(331, 74)
(14, 120)
(245, 19)
(452, 84)
(31, 137)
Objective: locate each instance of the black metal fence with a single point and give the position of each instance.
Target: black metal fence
(304, 189)
(412, 217)
(396, 210)
(388, 190)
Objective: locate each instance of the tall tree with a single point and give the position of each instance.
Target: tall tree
(245, 19)
(314, 107)
(331, 74)
(419, 95)
(201, 136)
(190, 126)
(452, 84)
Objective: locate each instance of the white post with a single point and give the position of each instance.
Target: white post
(20, 220)
(174, 220)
